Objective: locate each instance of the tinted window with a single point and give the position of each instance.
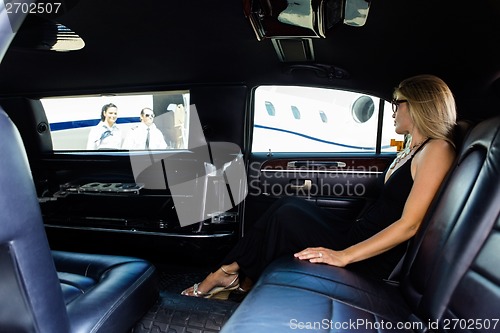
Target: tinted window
(117, 122)
(322, 120)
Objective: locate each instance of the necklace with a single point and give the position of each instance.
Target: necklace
(405, 152)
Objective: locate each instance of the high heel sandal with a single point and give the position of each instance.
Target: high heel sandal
(221, 293)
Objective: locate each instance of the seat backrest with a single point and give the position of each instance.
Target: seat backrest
(30, 294)
(459, 133)
(475, 300)
(457, 225)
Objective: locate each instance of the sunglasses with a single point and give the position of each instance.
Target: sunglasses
(149, 115)
(395, 104)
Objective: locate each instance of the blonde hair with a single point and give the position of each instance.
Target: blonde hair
(431, 104)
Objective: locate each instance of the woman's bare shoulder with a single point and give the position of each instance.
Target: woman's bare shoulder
(439, 146)
(437, 151)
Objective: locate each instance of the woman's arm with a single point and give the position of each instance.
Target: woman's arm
(93, 138)
(429, 169)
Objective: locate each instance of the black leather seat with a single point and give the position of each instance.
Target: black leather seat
(449, 281)
(58, 292)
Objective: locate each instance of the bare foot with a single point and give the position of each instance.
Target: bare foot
(216, 279)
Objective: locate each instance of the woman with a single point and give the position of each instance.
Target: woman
(106, 135)
(424, 110)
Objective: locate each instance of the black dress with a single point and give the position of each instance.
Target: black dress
(292, 224)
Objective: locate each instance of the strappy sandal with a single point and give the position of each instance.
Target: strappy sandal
(221, 293)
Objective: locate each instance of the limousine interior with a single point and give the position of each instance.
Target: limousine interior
(251, 101)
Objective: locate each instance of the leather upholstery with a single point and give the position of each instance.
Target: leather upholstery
(449, 273)
(87, 293)
(105, 293)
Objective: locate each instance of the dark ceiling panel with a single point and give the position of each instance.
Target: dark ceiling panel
(134, 45)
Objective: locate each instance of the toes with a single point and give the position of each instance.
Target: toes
(188, 292)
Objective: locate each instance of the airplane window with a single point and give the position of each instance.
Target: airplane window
(323, 116)
(295, 112)
(270, 108)
(347, 122)
(150, 121)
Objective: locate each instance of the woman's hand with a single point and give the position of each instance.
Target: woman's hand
(324, 256)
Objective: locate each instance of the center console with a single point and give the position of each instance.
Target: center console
(126, 207)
